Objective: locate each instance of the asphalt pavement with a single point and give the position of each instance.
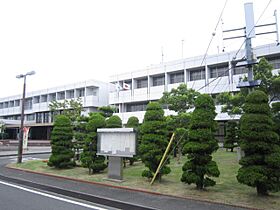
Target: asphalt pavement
(97, 192)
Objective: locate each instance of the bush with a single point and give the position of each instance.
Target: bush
(201, 144)
(260, 166)
(62, 155)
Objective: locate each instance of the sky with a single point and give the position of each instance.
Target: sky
(67, 41)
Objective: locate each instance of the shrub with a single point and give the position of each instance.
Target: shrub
(153, 140)
(61, 142)
(261, 164)
(89, 158)
(201, 144)
(114, 122)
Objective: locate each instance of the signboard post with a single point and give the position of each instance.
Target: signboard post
(116, 143)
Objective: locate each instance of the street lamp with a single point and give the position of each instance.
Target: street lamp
(20, 142)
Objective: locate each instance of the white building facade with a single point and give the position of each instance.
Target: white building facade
(212, 75)
(93, 94)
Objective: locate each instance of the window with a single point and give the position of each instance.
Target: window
(39, 117)
(80, 92)
(158, 80)
(17, 102)
(36, 99)
(61, 95)
(177, 77)
(219, 71)
(30, 117)
(69, 94)
(197, 75)
(142, 83)
(6, 104)
(28, 104)
(52, 97)
(44, 98)
(239, 70)
(1, 105)
(275, 62)
(92, 91)
(11, 104)
(46, 117)
(136, 107)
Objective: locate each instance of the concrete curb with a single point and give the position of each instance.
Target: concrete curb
(131, 189)
(31, 153)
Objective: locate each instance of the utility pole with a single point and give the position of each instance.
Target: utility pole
(20, 141)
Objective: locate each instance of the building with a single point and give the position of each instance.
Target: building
(212, 75)
(38, 116)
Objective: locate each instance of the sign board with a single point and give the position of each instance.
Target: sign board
(120, 142)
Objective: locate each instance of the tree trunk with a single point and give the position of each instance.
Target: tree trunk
(262, 190)
(231, 149)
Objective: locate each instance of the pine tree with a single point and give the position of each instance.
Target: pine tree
(61, 142)
(261, 163)
(231, 138)
(133, 122)
(89, 158)
(153, 140)
(201, 144)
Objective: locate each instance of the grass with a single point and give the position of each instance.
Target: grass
(227, 189)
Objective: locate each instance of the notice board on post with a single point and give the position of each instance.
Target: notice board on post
(120, 142)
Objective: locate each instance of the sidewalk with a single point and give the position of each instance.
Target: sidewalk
(13, 150)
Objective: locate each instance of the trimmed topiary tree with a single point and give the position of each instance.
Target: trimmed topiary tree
(231, 138)
(260, 167)
(153, 140)
(62, 155)
(133, 122)
(201, 144)
(89, 159)
(114, 122)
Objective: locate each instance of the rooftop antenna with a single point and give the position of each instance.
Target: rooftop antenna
(162, 55)
(250, 58)
(183, 48)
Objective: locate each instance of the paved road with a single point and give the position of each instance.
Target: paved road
(98, 193)
(14, 197)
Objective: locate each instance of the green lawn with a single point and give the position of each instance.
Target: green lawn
(227, 189)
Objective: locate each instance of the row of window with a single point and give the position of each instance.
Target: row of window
(199, 74)
(68, 94)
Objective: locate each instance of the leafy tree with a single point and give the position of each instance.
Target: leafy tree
(270, 83)
(71, 108)
(179, 99)
(201, 144)
(153, 140)
(114, 122)
(178, 124)
(89, 158)
(231, 138)
(133, 122)
(61, 142)
(107, 111)
(261, 164)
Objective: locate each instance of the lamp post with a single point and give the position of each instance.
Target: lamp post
(20, 142)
